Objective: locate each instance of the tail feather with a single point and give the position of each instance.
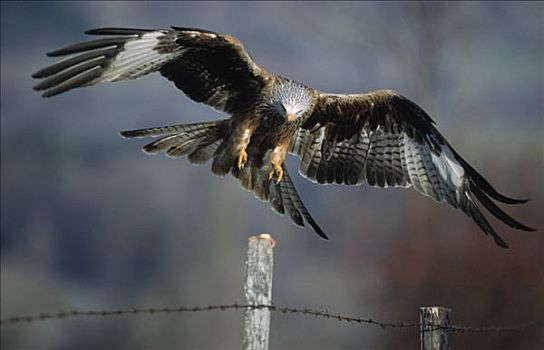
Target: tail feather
(222, 161)
(204, 141)
(244, 175)
(288, 189)
(254, 180)
(282, 196)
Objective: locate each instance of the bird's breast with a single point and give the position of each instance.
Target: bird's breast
(269, 137)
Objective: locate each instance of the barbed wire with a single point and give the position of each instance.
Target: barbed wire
(284, 310)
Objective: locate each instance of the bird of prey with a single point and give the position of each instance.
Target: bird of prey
(379, 137)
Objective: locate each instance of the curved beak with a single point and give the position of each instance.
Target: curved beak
(290, 117)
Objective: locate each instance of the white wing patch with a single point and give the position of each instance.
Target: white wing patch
(138, 57)
(449, 169)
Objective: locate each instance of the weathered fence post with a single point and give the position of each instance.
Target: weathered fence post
(433, 330)
(258, 291)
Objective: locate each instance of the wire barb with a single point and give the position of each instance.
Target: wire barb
(283, 310)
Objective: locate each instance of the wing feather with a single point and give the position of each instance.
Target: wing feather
(210, 68)
(388, 141)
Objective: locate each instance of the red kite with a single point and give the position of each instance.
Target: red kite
(380, 137)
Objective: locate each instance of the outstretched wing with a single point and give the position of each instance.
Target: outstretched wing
(387, 140)
(208, 67)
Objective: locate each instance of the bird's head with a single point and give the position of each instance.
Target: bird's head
(290, 101)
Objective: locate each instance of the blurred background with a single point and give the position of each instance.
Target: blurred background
(90, 222)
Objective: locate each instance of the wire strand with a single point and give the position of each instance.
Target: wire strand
(284, 310)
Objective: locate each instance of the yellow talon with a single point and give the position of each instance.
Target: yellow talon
(276, 173)
(242, 159)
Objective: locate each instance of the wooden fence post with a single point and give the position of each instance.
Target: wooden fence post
(431, 317)
(258, 291)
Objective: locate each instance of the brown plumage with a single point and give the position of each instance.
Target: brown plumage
(380, 137)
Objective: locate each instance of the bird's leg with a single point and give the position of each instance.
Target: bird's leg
(242, 158)
(276, 173)
(240, 139)
(277, 158)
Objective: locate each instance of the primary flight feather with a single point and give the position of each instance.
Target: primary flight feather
(379, 137)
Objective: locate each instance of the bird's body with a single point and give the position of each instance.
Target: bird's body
(380, 137)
